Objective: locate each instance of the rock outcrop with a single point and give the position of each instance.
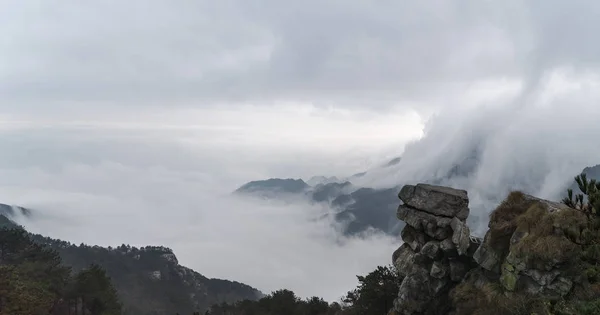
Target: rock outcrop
(533, 247)
(437, 247)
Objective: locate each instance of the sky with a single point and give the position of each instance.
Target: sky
(130, 122)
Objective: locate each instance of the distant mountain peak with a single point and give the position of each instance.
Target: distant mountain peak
(316, 180)
(11, 211)
(393, 161)
(273, 187)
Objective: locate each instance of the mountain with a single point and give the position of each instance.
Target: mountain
(330, 191)
(316, 180)
(393, 161)
(6, 223)
(273, 187)
(11, 211)
(592, 172)
(149, 280)
(369, 208)
(33, 280)
(357, 209)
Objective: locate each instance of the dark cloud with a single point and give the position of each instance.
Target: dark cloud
(356, 52)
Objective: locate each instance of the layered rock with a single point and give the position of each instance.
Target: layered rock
(533, 247)
(437, 247)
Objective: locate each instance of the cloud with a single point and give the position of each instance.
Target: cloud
(269, 246)
(143, 186)
(149, 111)
(345, 53)
(536, 147)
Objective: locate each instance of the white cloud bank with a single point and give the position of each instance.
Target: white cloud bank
(168, 183)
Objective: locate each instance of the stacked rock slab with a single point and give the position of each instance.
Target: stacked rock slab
(437, 247)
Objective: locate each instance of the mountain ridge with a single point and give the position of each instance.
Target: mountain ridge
(358, 208)
(150, 273)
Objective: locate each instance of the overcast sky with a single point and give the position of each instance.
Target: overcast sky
(149, 111)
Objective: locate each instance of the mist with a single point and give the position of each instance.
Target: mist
(533, 139)
(136, 131)
(107, 185)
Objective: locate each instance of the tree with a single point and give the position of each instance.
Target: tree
(375, 293)
(315, 305)
(34, 281)
(589, 200)
(95, 291)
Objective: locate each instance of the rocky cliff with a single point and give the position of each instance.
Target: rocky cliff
(537, 256)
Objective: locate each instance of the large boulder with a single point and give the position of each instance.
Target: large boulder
(434, 226)
(437, 200)
(413, 237)
(461, 236)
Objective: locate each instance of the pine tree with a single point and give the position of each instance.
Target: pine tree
(376, 292)
(589, 200)
(96, 292)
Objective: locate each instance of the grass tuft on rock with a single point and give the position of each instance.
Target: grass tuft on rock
(503, 220)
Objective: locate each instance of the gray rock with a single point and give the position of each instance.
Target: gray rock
(434, 226)
(561, 286)
(487, 258)
(437, 200)
(412, 293)
(438, 270)
(479, 277)
(458, 270)
(431, 249)
(460, 236)
(474, 243)
(397, 253)
(448, 248)
(417, 292)
(543, 278)
(530, 280)
(405, 260)
(415, 239)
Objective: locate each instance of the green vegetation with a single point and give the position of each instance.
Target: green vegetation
(149, 279)
(33, 281)
(44, 273)
(530, 234)
(589, 199)
(374, 295)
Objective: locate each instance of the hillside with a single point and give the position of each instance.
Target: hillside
(34, 281)
(357, 209)
(360, 208)
(10, 211)
(148, 280)
(537, 257)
